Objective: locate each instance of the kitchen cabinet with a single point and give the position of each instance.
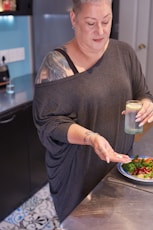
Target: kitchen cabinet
(23, 7)
(14, 171)
(22, 163)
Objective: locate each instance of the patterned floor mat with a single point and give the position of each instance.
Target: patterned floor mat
(37, 213)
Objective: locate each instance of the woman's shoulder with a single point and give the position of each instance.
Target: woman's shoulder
(124, 50)
(122, 46)
(53, 67)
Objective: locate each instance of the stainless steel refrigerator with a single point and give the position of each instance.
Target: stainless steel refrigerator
(52, 26)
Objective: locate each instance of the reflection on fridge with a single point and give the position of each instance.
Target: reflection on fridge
(51, 25)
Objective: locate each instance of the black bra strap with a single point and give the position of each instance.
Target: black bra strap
(74, 69)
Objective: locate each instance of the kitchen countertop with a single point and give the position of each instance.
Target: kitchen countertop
(116, 203)
(24, 89)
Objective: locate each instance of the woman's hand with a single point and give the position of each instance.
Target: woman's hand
(105, 151)
(145, 115)
(82, 136)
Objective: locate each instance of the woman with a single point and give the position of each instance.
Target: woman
(78, 104)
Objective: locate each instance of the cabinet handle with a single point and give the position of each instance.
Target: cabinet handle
(141, 46)
(8, 120)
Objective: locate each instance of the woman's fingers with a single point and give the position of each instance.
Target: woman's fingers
(146, 113)
(122, 158)
(105, 152)
(111, 156)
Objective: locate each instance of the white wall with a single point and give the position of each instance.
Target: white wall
(150, 52)
(135, 28)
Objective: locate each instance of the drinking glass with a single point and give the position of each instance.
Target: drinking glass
(132, 108)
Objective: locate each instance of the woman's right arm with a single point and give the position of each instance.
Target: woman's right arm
(82, 136)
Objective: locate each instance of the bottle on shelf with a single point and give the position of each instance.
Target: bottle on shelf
(1, 6)
(8, 5)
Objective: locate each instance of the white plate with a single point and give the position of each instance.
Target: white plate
(134, 178)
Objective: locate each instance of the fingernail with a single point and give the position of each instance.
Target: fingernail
(107, 159)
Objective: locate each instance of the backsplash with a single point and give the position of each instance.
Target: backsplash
(15, 32)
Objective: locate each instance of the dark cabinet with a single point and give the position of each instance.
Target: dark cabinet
(22, 160)
(24, 7)
(14, 171)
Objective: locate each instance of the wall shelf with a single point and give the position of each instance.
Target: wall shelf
(24, 7)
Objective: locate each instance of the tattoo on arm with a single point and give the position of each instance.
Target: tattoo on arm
(87, 137)
(54, 67)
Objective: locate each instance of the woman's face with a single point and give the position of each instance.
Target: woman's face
(92, 25)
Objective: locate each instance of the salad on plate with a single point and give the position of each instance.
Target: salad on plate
(140, 167)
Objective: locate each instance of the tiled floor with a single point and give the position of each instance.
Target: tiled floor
(35, 214)
(38, 212)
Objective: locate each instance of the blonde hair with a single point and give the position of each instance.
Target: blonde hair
(77, 3)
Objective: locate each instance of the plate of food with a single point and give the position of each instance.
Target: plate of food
(140, 169)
